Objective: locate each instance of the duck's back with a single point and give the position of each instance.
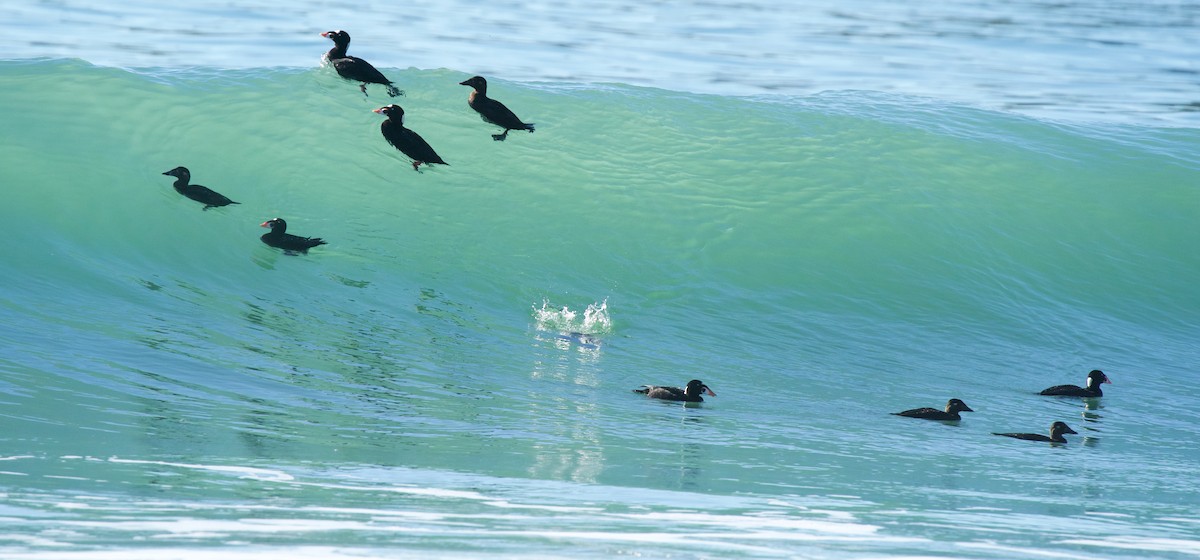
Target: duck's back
(1030, 437)
(928, 414)
(201, 193)
(410, 143)
(291, 242)
(1069, 391)
(664, 393)
(354, 68)
(496, 113)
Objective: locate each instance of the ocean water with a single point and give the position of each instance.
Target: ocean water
(450, 377)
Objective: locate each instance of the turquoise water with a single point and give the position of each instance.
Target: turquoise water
(450, 376)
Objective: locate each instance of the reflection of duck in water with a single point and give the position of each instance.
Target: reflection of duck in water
(1091, 408)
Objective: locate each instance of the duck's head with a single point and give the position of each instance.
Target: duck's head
(956, 405)
(1057, 429)
(339, 37)
(476, 82)
(393, 112)
(1096, 377)
(696, 387)
(276, 225)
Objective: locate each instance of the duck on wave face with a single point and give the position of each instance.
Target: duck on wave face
(406, 140)
(280, 239)
(353, 68)
(691, 393)
(493, 111)
(199, 193)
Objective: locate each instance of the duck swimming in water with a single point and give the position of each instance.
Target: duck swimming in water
(408, 142)
(691, 393)
(280, 239)
(953, 407)
(353, 68)
(1057, 430)
(1095, 378)
(493, 111)
(199, 193)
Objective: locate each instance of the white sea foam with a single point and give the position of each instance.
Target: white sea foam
(254, 473)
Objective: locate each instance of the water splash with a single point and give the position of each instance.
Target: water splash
(587, 326)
